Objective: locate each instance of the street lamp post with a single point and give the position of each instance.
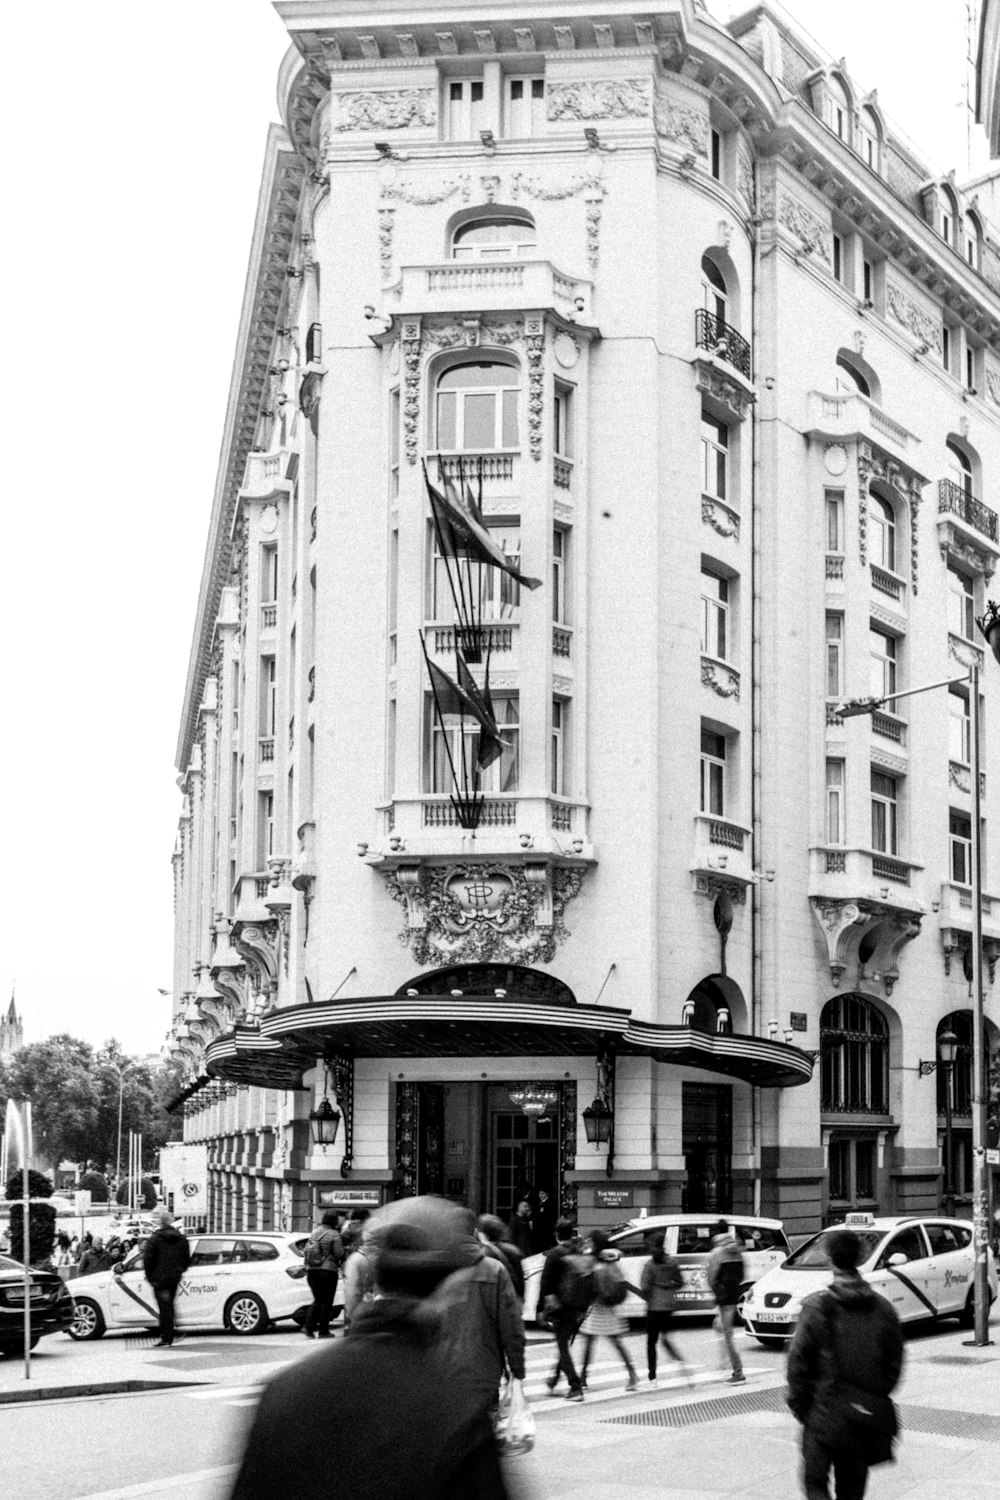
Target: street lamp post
(121, 1092)
(947, 1046)
(989, 626)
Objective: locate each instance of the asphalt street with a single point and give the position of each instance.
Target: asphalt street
(699, 1441)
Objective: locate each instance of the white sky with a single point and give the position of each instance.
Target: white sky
(135, 136)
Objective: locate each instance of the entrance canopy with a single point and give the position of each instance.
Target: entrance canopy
(289, 1042)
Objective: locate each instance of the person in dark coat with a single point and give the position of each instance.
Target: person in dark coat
(845, 1360)
(492, 1236)
(519, 1230)
(165, 1259)
(94, 1258)
(376, 1416)
(543, 1222)
(564, 1321)
(482, 1331)
(323, 1277)
(724, 1274)
(661, 1276)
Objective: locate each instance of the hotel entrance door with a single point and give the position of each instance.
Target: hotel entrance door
(524, 1154)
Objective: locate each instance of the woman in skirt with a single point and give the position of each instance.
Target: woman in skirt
(603, 1320)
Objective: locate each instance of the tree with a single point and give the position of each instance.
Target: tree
(41, 1216)
(57, 1076)
(117, 1074)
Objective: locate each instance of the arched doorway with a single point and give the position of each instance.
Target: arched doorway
(715, 1005)
(854, 1100)
(959, 1022)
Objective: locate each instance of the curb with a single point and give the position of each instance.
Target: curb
(93, 1388)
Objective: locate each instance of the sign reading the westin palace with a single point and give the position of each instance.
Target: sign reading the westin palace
(613, 1197)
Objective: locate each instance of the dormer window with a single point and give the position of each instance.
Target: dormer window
(524, 112)
(868, 139)
(508, 237)
(970, 240)
(838, 109)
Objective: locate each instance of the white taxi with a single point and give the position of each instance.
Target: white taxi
(689, 1238)
(241, 1282)
(923, 1266)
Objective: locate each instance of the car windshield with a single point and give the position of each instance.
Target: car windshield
(6, 1264)
(814, 1255)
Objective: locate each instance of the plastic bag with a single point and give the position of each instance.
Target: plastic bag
(514, 1423)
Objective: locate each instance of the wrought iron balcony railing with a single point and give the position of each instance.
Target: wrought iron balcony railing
(954, 499)
(716, 335)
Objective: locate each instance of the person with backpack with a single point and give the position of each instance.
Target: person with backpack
(564, 1294)
(481, 1331)
(725, 1279)
(491, 1232)
(323, 1255)
(844, 1362)
(603, 1319)
(661, 1276)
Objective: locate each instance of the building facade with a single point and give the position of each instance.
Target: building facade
(718, 362)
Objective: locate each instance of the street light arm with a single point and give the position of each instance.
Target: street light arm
(856, 706)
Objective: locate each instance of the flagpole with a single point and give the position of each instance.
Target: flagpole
(437, 707)
(463, 610)
(443, 549)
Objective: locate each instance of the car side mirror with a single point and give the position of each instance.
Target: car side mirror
(897, 1259)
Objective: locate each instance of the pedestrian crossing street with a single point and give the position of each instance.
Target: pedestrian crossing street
(606, 1378)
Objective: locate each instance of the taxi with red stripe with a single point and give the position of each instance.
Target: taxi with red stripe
(922, 1265)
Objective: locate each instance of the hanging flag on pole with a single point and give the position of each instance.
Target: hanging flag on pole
(450, 698)
(467, 534)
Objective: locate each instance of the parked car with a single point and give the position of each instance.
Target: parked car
(689, 1238)
(51, 1305)
(922, 1265)
(240, 1282)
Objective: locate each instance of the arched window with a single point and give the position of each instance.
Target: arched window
(504, 237)
(476, 407)
(838, 108)
(960, 468)
(868, 139)
(713, 289)
(971, 240)
(948, 216)
(854, 1049)
(850, 378)
(883, 533)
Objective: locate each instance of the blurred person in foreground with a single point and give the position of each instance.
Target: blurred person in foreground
(492, 1235)
(375, 1415)
(482, 1331)
(845, 1360)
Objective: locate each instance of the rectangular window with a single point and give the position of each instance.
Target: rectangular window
(713, 773)
(959, 727)
(714, 615)
(868, 280)
(268, 574)
(460, 739)
(498, 594)
(465, 113)
(835, 802)
(560, 555)
(883, 665)
(838, 258)
(961, 604)
(716, 139)
(561, 421)
(524, 111)
(840, 1171)
(834, 656)
(714, 457)
(559, 720)
(864, 1170)
(946, 347)
(885, 804)
(390, 751)
(960, 841)
(265, 829)
(268, 695)
(394, 439)
(834, 521)
(970, 369)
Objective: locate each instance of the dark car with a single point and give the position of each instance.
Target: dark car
(51, 1305)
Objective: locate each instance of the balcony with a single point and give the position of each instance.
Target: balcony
(265, 749)
(499, 474)
(268, 475)
(846, 418)
(722, 341)
(721, 852)
(483, 287)
(562, 473)
(495, 639)
(889, 584)
(953, 500)
(955, 914)
(890, 727)
(515, 826)
(851, 874)
(268, 617)
(562, 641)
(834, 565)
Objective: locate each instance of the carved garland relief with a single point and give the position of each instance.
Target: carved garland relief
(600, 99)
(906, 312)
(682, 123)
(721, 519)
(385, 109)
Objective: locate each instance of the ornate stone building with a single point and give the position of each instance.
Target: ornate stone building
(718, 361)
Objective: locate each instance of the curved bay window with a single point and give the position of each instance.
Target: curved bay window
(854, 1051)
(499, 594)
(475, 407)
(511, 237)
(456, 744)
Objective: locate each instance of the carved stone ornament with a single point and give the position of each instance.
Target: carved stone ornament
(477, 913)
(719, 384)
(384, 109)
(835, 459)
(719, 516)
(955, 547)
(800, 221)
(589, 183)
(745, 178)
(964, 652)
(419, 337)
(717, 885)
(258, 944)
(683, 123)
(905, 311)
(599, 99)
(993, 386)
(844, 923)
(721, 678)
(309, 398)
(410, 348)
(565, 350)
(873, 463)
(534, 339)
(959, 776)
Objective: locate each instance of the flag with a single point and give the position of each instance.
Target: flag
(484, 706)
(464, 532)
(453, 699)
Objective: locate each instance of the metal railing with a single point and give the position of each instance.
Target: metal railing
(713, 333)
(952, 498)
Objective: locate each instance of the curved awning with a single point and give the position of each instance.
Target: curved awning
(289, 1042)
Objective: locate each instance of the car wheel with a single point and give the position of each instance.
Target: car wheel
(88, 1320)
(245, 1314)
(770, 1343)
(967, 1317)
